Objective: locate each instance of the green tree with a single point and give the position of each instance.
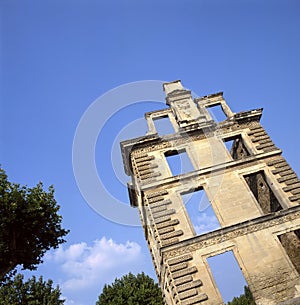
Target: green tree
(31, 292)
(244, 299)
(29, 225)
(131, 290)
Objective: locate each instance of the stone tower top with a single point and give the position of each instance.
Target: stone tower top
(172, 86)
(182, 104)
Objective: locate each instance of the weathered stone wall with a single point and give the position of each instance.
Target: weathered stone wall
(253, 191)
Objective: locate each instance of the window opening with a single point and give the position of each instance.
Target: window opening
(200, 211)
(227, 275)
(291, 244)
(216, 112)
(262, 192)
(228, 143)
(163, 125)
(179, 162)
(236, 147)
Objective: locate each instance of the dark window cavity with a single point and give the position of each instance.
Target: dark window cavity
(291, 244)
(262, 192)
(236, 147)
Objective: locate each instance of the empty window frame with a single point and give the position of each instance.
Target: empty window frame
(216, 113)
(200, 211)
(236, 147)
(262, 192)
(291, 244)
(227, 275)
(179, 162)
(163, 125)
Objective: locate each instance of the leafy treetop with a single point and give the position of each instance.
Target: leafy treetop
(29, 224)
(131, 290)
(31, 292)
(244, 299)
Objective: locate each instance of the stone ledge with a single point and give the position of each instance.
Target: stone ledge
(295, 301)
(209, 170)
(233, 231)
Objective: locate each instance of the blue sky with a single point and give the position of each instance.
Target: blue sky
(58, 57)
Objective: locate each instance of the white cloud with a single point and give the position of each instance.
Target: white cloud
(86, 268)
(206, 223)
(69, 301)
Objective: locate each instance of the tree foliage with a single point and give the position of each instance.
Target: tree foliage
(29, 225)
(31, 292)
(131, 290)
(244, 299)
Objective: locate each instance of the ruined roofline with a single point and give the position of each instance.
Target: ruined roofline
(175, 87)
(187, 115)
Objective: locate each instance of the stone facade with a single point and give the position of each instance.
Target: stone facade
(254, 193)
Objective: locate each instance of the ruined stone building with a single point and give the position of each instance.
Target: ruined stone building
(253, 191)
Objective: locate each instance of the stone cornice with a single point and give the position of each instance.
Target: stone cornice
(160, 112)
(250, 115)
(209, 96)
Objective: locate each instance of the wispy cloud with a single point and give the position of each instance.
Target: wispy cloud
(205, 223)
(86, 268)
